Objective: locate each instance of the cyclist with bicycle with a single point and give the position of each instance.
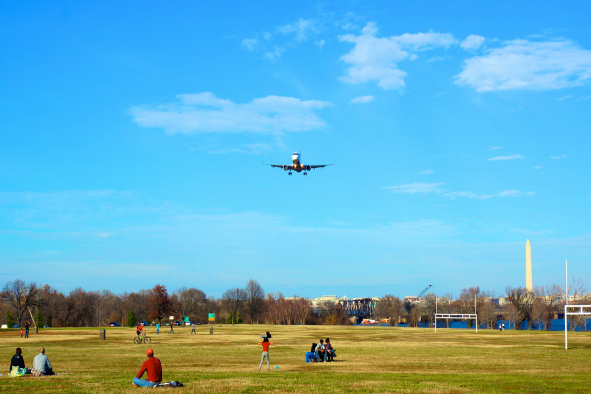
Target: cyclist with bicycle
(139, 329)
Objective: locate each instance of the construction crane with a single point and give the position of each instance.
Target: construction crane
(424, 291)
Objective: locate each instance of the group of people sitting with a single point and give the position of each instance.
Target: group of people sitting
(41, 365)
(323, 351)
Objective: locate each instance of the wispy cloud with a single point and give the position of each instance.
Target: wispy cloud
(568, 96)
(475, 196)
(320, 43)
(362, 99)
(524, 64)
(301, 29)
(376, 58)
(417, 187)
(559, 157)
(472, 42)
(495, 148)
(205, 113)
(250, 43)
(513, 157)
(537, 167)
(427, 172)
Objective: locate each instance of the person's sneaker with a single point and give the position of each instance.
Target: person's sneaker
(134, 385)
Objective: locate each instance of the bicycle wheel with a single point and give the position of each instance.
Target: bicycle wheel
(147, 340)
(136, 341)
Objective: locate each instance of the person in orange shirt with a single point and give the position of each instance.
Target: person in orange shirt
(153, 367)
(265, 342)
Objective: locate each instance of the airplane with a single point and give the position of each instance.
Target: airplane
(297, 166)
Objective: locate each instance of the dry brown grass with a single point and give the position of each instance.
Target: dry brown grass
(370, 360)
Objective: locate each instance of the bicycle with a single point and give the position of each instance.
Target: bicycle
(144, 338)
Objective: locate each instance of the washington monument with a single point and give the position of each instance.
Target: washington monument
(528, 281)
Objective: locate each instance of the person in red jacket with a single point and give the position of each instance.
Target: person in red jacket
(265, 343)
(153, 367)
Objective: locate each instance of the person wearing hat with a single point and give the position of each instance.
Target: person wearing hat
(153, 367)
(320, 351)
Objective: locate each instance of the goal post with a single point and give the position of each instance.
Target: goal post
(582, 310)
(457, 316)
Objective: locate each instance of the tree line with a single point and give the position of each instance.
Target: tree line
(525, 309)
(44, 305)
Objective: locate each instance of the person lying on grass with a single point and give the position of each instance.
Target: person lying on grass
(153, 367)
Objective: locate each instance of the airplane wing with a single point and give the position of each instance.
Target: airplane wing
(321, 165)
(279, 166)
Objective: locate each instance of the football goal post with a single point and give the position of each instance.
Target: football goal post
(578, 310)
(457, 316)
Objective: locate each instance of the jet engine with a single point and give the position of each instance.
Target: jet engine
(285, 167)
(308, 168)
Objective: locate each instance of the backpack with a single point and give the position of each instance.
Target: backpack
(171, 384)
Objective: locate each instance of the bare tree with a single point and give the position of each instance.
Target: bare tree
(234, 300)
(191, 301)
(511, 313)
(255, 299)
(523, 300)
(21, 296)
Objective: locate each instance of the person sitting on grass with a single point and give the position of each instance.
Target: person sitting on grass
(320, 351)
(41, 364)
(17, 360)
(153, 367)
(330, 353)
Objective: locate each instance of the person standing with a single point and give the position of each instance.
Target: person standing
(154, 369)
(41, 364)
(193, 328)
(171, 328)
(21, 332)
(157, 328)
(27, 325)
(265, 343)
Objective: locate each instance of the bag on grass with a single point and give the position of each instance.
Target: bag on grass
(171, 384)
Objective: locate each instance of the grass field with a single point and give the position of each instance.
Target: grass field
(370, 360)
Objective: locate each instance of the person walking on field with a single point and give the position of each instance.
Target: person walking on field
(157, 328)
(265, 343)
(193, 328)
(154, 369)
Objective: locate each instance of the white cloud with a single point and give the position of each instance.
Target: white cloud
(568, 96)
(472, 42)
(523, 64)
(320, 43)
(250, 43)
(474, 196)
(495, 147)
(376, 58)
(362, 99)
(205, 113)
(275, 53)
(537, 167)
(427, 172)
(513, 157)
(417, 187)
(559, 157)
(301, 29)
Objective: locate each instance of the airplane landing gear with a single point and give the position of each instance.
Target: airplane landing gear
(305, 173)
(289, 173)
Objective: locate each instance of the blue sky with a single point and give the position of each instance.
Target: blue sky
(132, 137)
